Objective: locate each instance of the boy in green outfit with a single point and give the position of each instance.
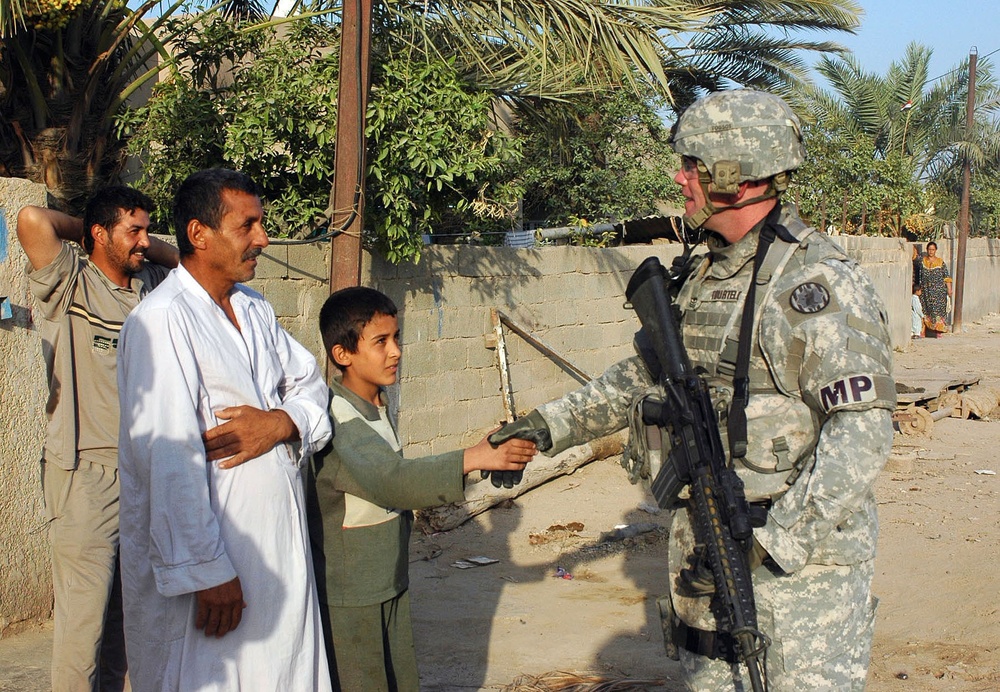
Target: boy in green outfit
(360, 493)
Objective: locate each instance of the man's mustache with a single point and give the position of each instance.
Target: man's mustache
(252, 253)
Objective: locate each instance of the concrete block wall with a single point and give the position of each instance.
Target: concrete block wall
(296, 279)
(25, 576)
(569, 298)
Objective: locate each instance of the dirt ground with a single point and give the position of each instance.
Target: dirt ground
(495, 626)
(936, 572)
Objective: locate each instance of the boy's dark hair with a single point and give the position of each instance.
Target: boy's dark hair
(200, 197)
(345, 314)
(106, 208)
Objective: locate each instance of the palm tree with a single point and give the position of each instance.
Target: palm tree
(526, 50)
(906, 120)
(67, 70)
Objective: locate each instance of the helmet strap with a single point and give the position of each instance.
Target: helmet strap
(774, 187)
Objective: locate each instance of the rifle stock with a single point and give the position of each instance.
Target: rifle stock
(717, 503)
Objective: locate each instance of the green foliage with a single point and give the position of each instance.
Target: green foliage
(252, 101)
(842, 176)
(436, 159)
(265, 104)
(894, 145)
(603, 158)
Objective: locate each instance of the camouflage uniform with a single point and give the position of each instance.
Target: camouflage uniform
(819, 430)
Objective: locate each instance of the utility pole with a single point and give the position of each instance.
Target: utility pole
(963, 216)
(346, 209)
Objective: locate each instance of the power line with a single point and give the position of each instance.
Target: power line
(958, 69)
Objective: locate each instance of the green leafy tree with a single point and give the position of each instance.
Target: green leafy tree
(248, 101)
(901, 140)
(608, 158)
(69, 67)
(845, 184)
(265, 103)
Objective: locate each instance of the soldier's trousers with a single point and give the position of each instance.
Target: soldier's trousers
(88, 644)
(821, 622)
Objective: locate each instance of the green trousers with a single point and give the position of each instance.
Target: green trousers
(373, 647)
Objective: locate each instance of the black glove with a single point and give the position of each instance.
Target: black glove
(507, 479)
(531, 427)
(698, 580)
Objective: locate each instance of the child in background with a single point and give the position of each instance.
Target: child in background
(360, 492)
(917, 314)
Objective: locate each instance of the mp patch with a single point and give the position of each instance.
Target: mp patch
(858, 389)
(809, 297)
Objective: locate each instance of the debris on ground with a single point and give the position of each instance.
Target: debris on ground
(558, 681)
(623, 531)
(556, 532)
(478, 561)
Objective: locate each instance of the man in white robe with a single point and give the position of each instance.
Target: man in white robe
(208, 380)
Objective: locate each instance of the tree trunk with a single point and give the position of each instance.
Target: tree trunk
(480, 494)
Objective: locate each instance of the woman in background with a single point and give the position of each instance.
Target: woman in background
(936, 286)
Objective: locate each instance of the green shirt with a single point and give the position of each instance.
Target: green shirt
(360, 491)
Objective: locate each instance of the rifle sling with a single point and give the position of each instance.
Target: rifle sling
(737, 422)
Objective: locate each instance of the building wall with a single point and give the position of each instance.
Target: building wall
(449, 393)
(25, 577)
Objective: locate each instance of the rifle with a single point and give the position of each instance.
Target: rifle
(718, 505)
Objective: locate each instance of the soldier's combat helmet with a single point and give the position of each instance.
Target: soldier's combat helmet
(737, 136)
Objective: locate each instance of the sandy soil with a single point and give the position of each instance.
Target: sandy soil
(936, 572)
(485, 627)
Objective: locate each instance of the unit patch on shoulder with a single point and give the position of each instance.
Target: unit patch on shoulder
(858, 389)
(809, 297)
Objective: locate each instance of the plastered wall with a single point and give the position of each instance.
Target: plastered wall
(25, 578)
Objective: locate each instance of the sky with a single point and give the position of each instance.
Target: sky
(949, 27)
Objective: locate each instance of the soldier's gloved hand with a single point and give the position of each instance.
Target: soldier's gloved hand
(531, 427)
(507, 479)
(697, 580)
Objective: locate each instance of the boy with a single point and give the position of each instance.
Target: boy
(360, 493)
(916, 314)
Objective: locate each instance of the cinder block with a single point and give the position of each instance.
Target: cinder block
(310, 261)
(454, 419)
(454, 353)
(414, 294)
(465, 384)
(283, 297)
(419, 425)
(272, 263)
(467, 322)
(421, 360)
(479, 356)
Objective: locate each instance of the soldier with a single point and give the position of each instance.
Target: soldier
(781, 307)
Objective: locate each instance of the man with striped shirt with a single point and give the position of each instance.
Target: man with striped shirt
(82, 301)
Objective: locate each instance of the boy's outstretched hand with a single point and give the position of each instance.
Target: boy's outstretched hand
(512, 455)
